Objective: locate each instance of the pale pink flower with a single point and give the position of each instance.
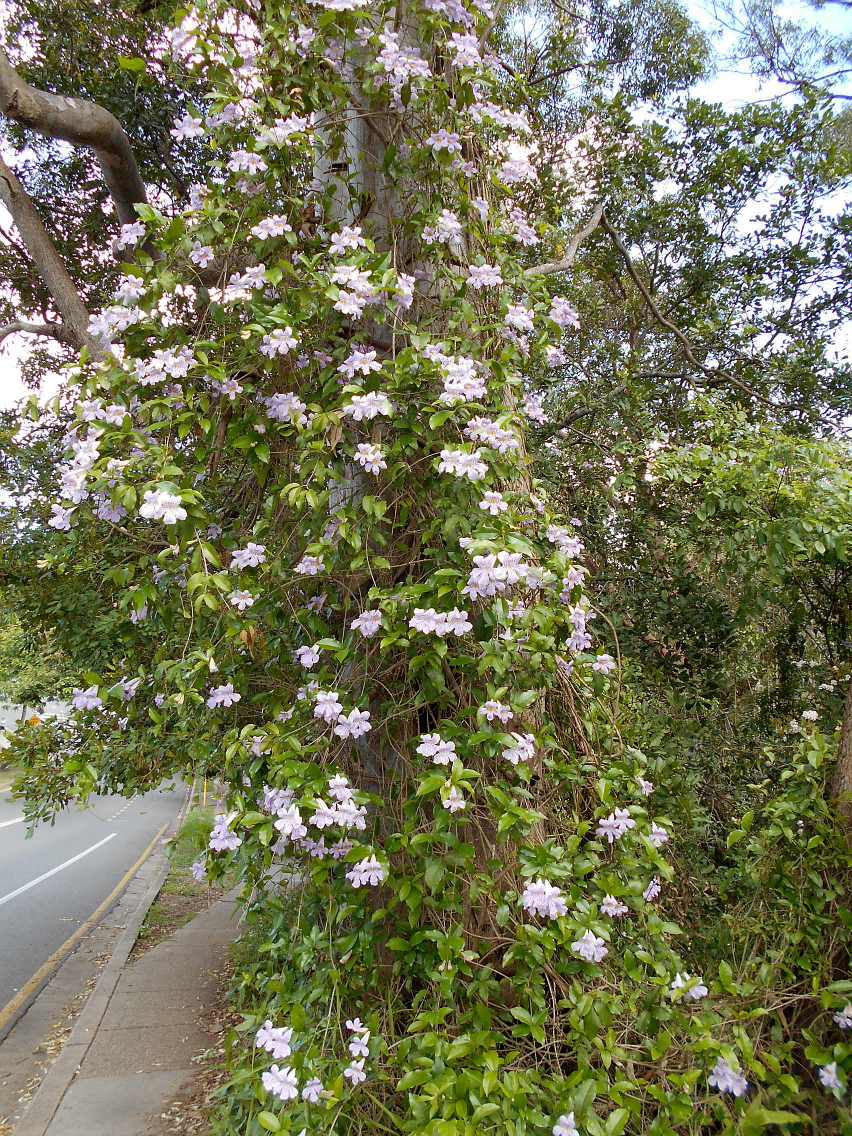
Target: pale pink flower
(652, 891)
(310, 566)
(274, 1039)
(494, 709)
(248, 557)
(368, 623)
(354, 724)
(308, 657)
(613, 907)
(454, 800)
(727, 1080)
(540, 897)
(441, 752)
(693, 988)
(614, 826)
(354, 1072)
(493, 503)
(562, 312)
(590, 947)
(658, 836)
(312, 1091)
(484, 276)
(282, 1083)
(278, 342)
(565, 1126)
(223, 696)
(327, 707)
(366, 872)
(370, 457)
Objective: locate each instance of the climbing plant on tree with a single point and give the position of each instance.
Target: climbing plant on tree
(298, 452)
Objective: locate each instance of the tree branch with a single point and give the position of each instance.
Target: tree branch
(567, 261)
(9, 240)
(48, 262)
(581, 412)
(717, 375)
(54, 330)
(84, 124)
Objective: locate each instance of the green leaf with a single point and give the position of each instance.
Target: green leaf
(757, 1119)
(434, 873)
(583, 1097)
(439, 418)
(416, 1077)
(525, 699)
(129, 63)
(430, 784)
(616, 1122)
(269, 1122)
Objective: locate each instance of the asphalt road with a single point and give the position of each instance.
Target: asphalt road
(52, 882)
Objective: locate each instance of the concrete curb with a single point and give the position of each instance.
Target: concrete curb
(48, 1097)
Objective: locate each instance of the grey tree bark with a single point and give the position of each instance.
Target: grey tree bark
(75, 317)
(82, 123)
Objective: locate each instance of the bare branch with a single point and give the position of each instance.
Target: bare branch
(84, 124)
(9, 240)
(567, 261)
(576, 415)
(48, 262)
(53, 330)
(716, 375)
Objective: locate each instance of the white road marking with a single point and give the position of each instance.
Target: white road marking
(6, 823)
(59, 868)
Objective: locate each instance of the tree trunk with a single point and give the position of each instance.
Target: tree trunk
(841, 784)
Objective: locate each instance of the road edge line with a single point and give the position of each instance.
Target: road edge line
(55, 871)
(47, 1098)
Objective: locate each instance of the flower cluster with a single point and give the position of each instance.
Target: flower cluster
(541, 898)
(282, 1082)
(441, 623)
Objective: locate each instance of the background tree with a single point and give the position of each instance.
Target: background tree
(120, 154)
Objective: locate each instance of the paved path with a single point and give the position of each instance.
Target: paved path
(132, 1048)
(51, 884)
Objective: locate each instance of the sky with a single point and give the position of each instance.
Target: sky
(11, 387)
(730, 86)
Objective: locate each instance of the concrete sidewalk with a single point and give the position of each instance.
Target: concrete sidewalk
(132, 1047)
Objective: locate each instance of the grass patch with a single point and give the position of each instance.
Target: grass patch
(8, 774)
(181, 897)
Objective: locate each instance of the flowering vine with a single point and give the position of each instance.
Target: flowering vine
(308, 433)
